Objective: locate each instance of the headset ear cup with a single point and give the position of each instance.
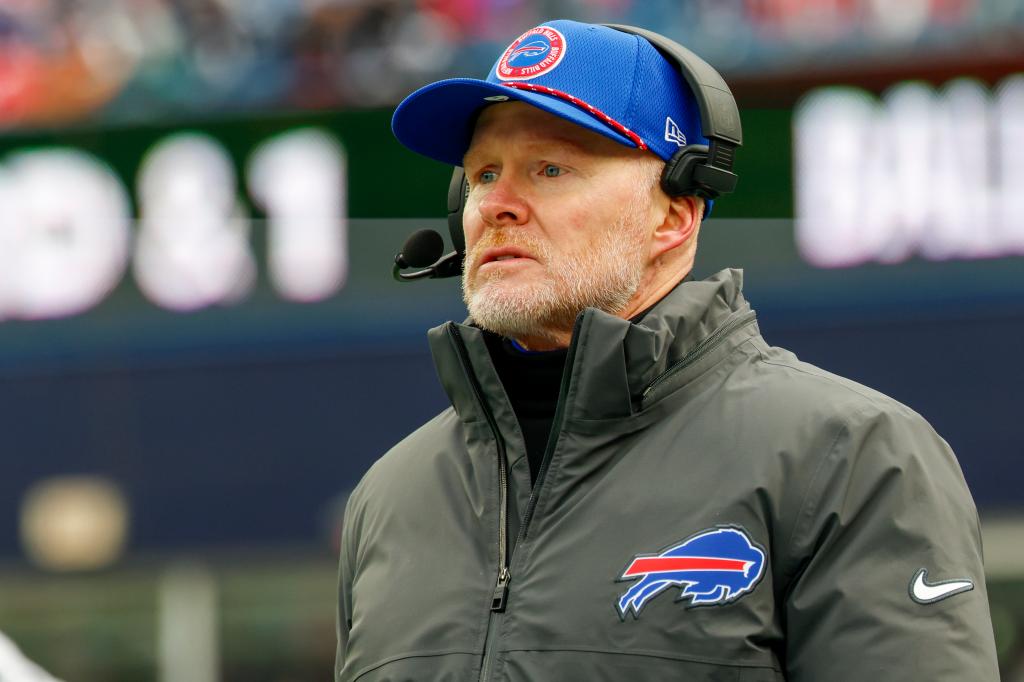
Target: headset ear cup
(677, 178)
(458, 188)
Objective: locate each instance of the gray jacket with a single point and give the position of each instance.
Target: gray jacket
(709, 508)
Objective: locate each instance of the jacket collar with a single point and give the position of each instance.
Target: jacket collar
(614, 361)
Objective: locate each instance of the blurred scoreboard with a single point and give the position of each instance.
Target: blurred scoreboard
(156, 237)
(921, 171)
(70, 234)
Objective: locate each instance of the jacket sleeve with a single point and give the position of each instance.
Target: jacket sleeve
(346, 563)
(886, 501)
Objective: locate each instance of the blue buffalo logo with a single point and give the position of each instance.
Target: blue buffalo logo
(715, 566)
(529, 53)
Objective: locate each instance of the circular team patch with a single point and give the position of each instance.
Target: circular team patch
(532, 54)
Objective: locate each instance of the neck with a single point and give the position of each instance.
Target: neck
(647, 295)
(553, 341)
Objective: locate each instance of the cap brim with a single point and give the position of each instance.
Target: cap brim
(437, 120)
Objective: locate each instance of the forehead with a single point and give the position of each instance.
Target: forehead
(498, 124)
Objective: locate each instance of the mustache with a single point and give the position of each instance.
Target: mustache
(538, 248)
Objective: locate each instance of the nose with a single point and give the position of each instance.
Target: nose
(504, 204)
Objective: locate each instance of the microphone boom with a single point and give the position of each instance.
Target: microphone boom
(423, 249)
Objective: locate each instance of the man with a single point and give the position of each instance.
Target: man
(631, 484)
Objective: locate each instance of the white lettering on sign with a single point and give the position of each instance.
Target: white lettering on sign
(66, 237)
(299, 179)
(920, 172)
(193, 244)
(64, 233)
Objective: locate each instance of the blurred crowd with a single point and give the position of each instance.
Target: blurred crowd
(70, 60)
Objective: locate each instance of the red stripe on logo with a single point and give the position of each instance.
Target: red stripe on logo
(658, 564)
(594, 111)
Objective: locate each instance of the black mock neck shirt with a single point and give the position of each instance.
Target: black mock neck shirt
(532, 380)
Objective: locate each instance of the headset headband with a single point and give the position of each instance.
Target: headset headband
(719, 117)
(711, 175)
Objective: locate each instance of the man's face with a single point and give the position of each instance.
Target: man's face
(558, 219)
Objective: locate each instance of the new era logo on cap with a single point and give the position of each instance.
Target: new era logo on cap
(673, 133)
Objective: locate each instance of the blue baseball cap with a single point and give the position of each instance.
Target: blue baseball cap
(613, 83)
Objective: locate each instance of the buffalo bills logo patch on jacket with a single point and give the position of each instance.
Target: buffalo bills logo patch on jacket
(715, 566)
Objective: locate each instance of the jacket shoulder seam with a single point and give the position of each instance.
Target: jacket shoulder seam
(806, 501)
(811, 499)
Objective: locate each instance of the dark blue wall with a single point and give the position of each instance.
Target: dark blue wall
(252, 451)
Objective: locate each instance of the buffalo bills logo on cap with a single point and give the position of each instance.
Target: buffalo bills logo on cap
(532, 54)
(714, 566)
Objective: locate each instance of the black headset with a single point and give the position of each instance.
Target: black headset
(696, 169)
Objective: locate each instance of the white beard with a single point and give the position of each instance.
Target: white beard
(604, 275)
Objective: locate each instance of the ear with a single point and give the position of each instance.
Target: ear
(682, 220)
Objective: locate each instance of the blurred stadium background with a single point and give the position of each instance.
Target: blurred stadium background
(202, 349)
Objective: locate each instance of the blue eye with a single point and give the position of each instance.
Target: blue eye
(488, 176)
(552, 171)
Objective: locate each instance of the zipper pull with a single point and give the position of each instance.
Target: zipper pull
(500, 595)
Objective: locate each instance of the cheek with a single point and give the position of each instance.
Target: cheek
(472, 225)
(572, 227)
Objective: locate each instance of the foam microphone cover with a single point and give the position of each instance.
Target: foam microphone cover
(422, 248)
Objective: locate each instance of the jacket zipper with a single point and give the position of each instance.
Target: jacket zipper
(499, 596)
(556, 429)
(699, 351)
(556, 426)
